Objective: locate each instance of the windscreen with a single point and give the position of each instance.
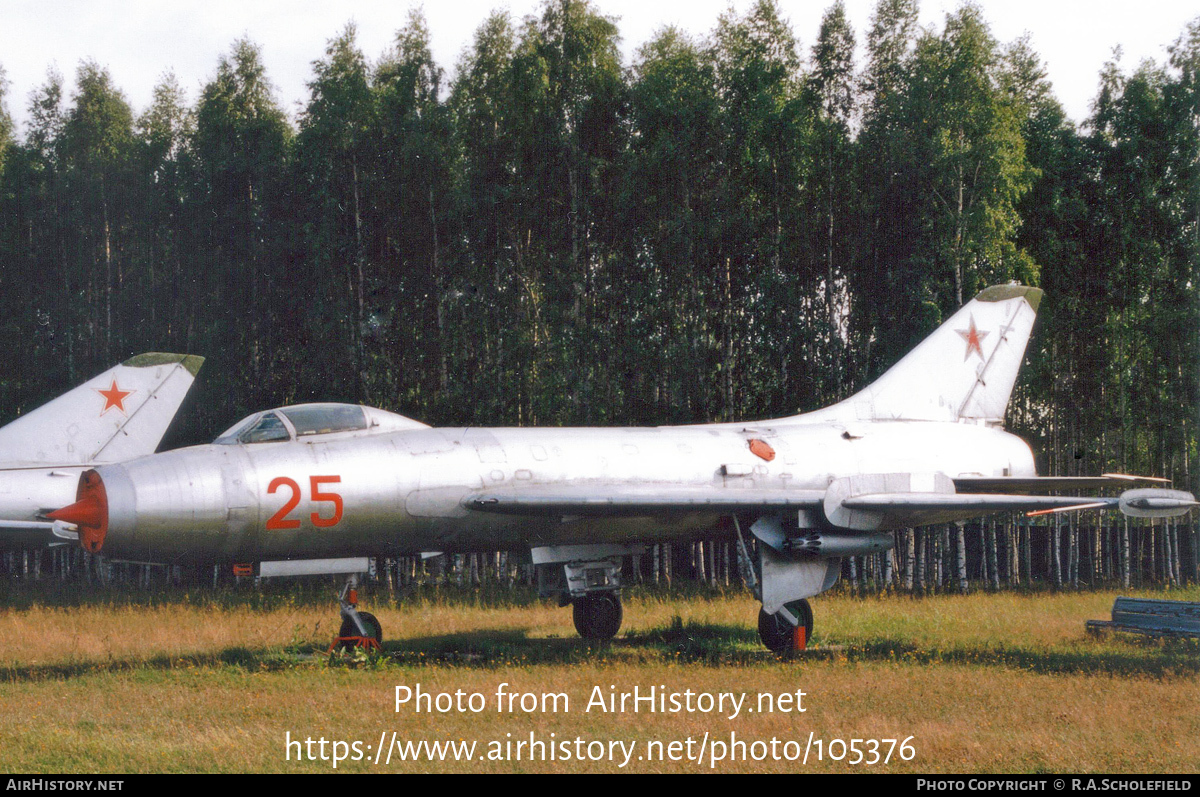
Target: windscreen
(230, 436)
(326, 418)
(268, 429)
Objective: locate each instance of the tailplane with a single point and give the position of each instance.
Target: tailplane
(120, 414)
(964, 371)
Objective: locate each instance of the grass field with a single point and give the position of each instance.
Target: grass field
(984, 683)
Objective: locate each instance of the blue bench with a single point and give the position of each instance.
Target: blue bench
(1157, 618)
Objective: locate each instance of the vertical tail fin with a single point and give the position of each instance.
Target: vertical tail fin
(965, 370)
(120, 414)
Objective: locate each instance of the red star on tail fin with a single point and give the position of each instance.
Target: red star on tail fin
(114, 397)
(974, 338)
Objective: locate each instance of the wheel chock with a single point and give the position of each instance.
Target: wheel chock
(365, 642)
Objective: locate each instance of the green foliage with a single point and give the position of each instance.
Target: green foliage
(728, 227)
(968, 138)
(246, 301)
(6, 124)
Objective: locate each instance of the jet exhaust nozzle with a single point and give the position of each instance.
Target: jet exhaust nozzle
(89, 513)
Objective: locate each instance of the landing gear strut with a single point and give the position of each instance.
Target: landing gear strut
(778, 576)
(359, 629)
(778, 631)
(597, 615)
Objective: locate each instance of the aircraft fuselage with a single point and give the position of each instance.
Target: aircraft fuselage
(403, 492)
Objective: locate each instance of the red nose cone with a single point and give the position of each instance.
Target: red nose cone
(89, 513)
(82, 513)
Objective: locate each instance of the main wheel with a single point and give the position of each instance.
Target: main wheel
(597, 615)
(370, 623)
(778, 634)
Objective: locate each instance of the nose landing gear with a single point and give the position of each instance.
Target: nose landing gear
(359, 629)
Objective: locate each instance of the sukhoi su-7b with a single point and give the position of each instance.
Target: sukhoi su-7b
(923, 444)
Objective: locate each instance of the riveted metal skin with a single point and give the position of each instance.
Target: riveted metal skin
(411, 490)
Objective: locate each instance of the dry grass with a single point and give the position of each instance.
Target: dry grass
(994, 683)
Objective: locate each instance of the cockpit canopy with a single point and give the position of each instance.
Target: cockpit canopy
(301, 421)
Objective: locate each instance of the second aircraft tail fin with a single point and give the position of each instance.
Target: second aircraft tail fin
(120, 414)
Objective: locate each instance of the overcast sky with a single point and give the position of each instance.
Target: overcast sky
(139, 40)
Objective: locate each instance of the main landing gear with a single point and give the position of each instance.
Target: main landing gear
(788, 630)
(359, 629)
(597, 615)
(589, 578)
(783, 579)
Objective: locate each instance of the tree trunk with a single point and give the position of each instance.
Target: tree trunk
(356, 335)
(727, 360)
(993, 560)
(919, 560)
(960, 545)
(108, 281)
(1027, 551)
(1055, 551)
(910, 558)
(1073, 551)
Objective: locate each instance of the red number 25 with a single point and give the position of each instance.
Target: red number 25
(280, 519)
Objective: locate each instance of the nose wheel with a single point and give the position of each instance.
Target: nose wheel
(788, 630)
(370, 636)
(597, 615)
(359, 629)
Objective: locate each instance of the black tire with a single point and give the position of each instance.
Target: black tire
(369, 621)
(778, 634)
(803, 610)
(598, 615)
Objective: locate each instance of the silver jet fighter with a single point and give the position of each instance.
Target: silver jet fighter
(118, 415)
(921, 445)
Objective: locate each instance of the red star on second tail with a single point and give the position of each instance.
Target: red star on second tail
(114, 397)
(974, 338)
